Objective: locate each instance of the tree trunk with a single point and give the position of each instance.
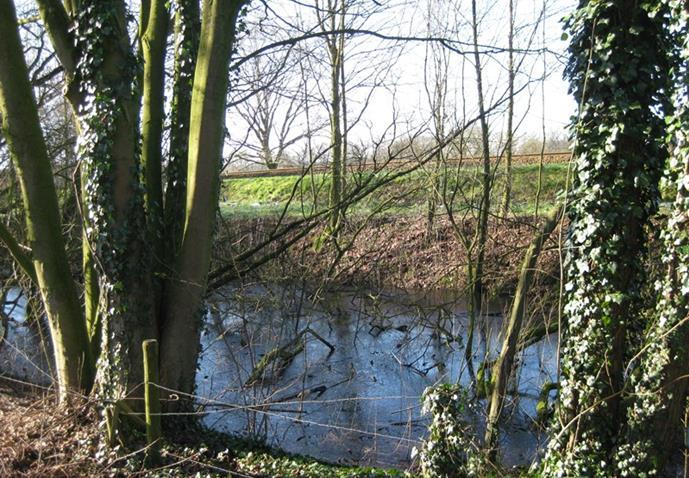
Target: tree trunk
(510, 116)
(476, 284)
(502, 369)
(22, 130)
(655, 433)
(153, 43)
(113, 203)
(336, 53)
(436, 93)
(187, 26)
(620, 155)
(186, 289)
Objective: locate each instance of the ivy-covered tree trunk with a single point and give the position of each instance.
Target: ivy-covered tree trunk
(659, 386)
(122, 207)
(186, 289)
(619, 156)
(108, 149)
(92, 44)
(21, 128)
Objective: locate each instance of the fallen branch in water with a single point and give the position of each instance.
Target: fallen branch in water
(282, 356)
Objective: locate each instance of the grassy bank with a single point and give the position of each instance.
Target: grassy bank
(406, 195)
(392, 249)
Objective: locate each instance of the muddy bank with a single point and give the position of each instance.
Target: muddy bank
(394, 253)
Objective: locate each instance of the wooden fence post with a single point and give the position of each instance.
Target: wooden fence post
(151, 393)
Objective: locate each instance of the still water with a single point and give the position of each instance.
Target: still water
(23, 355)
(354, 368)
(358, 403)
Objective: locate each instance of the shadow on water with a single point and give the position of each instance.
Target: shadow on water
(361, 402)
(347, 390)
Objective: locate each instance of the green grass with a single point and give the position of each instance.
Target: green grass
(253, 458)
(266, 196)
(525, 187)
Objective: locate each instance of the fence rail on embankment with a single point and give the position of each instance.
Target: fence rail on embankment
(517, 159)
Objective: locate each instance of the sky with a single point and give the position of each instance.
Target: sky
(399, 69)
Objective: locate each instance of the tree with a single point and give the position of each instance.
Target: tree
(187, 26)
(274, 109)
(186, 288)
(475, 270)
(122, 209)
(619, 159)
(436, 70)
(332, 17)
(503, 367)
(657, 402)
(505, 206)
(553, 142)
(48, 263)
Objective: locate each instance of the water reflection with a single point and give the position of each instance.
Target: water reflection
(359, 403)
(25, 350)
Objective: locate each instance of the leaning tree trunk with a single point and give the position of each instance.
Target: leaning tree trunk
(22, 130)
(58, 21)
(186, 288)
(502, 369)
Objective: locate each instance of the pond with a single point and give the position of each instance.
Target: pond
(353, 368)
(22, 354)
(358, 403)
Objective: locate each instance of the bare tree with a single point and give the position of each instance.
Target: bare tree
(510, 114)
(275, 113)
(436, 69)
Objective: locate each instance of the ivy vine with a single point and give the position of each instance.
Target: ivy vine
(449, 450)
(665, 342)
(620, 56)
(98, 30)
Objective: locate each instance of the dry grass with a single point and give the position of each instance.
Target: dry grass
(40, 438)
(394, 253)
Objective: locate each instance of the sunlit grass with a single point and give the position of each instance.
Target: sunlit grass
(405, 196)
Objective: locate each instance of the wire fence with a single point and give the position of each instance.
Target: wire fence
(384, 433)
(518, 159)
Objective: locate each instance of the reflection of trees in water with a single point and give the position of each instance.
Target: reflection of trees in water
(25, 348)
(360, 403)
